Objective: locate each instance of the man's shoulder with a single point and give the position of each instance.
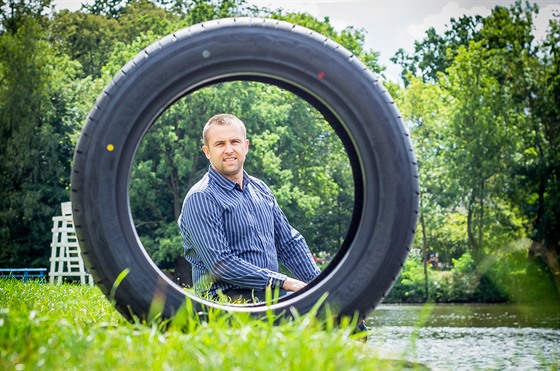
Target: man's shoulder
(260, 184)
(200, 190)
(200, 186)
(256, 181)
(197, 198)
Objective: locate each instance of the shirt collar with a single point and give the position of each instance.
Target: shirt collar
(224, 182)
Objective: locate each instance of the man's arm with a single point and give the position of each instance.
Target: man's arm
(292, 249)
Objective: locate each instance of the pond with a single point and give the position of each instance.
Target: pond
(467, 337)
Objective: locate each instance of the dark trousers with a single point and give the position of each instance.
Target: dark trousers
(253, 295)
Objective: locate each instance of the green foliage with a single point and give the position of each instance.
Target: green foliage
(410, 286)
(518, 277)
(435, 53)
(74, 327)
(462, 278)
(39, 113)
(507, 277)
(164, 245)
(108, 8)
(197, 11)
(14, 13)
(85, 38)
(485, 126)
(141, 17)
(536, 186)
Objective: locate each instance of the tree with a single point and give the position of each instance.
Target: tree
(481, 133)
(499, 147)
(530, 72)
(435, 53)
(536, 177)
(108, 8)
(37, 125)
(197, 11)
(140, 17)
(425, 108)
(14, 13)
(86, 38)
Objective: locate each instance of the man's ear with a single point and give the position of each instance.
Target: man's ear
(246, 145)
(206, 151)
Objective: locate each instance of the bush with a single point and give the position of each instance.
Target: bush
(464, 279)
(410, 287)
(510, 277)
(520, 279)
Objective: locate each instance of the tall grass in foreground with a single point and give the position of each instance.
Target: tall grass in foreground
(74, 327)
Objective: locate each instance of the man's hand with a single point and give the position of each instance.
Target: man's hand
(291, 284)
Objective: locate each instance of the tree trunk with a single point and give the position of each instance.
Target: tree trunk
(424, 248)
(470, 235)
(425, 255)
(550, 257)
(481, 217)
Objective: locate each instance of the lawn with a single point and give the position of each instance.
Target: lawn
(69, 326)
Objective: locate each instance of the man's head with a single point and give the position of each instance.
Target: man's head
(226, 145)
(222, 119)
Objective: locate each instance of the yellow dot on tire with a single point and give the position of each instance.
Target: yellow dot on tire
(110, 147)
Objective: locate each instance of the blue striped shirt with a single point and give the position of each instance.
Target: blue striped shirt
(235, 238)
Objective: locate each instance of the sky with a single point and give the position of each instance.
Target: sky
(390, 25)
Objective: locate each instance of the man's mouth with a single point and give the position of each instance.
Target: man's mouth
(230, 159)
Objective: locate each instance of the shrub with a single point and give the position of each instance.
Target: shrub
(410, 287)
(510, 277)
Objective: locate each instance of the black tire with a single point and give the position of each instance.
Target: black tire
(308, 64)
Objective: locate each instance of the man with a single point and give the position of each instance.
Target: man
(234, 233)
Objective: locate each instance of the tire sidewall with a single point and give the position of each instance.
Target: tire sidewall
(319, 70)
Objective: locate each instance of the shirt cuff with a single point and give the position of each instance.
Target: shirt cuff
(276, 280)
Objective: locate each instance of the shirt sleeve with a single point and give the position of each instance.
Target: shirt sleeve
(201, 224)
(292, 248)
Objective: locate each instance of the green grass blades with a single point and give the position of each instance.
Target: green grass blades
(75, 327)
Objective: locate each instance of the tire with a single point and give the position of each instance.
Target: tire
(294, 58)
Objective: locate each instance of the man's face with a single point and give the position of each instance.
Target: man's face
(226, 150)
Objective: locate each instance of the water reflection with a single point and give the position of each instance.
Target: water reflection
(466, 337)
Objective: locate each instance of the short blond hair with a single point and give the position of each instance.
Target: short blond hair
(222, 119)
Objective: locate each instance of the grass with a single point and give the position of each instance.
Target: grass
(75, 327)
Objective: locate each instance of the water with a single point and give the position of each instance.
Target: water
(468, 337)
